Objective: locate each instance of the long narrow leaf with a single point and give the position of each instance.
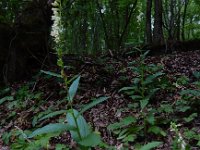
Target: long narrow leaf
(77, 121)
(91, 140)
(143, 103)
(126, 89)
(73, 89)
(151, 145)
(51, 73)
(7, 98)
(92, 104)
(73, 78)
(151, 78)
(53, 114)
(51, 128)
(4, 91)
(123, 123)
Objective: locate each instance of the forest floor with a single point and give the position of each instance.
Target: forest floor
(26, 102)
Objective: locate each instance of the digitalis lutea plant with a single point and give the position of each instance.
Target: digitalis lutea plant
(76, 124)
(57, 33)
(179, 142)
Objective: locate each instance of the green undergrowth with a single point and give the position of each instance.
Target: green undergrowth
(149, 124)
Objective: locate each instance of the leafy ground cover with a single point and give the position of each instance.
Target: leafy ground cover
(152, 102)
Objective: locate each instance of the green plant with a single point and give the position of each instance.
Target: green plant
(150, 145)
(178, 142)
(192, 136)
(79, 129)
(126, 129)
(130, 128)
(189, 98)
(147, 81)
(76, 124)
(23, 143)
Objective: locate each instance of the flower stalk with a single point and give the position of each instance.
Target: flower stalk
(57, 33)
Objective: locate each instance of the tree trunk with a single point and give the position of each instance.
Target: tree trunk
(127, 22)
(158, 38)
(148, 22)
(186, 2)
(171, 21)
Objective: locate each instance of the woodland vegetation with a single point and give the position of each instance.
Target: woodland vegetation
(99, 74)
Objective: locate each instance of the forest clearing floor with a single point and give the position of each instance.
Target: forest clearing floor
(23, 104)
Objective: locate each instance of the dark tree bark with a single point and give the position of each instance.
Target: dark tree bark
(83, 26)
(148, 22)
(127, 22)
(104, 25)
(178, 27)
(186, 2)
(171, 21)
(158, 38)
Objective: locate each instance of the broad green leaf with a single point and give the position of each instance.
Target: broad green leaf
(143, 103)
(152, 92)
(6, 98)
(136, 80)
(191, 117)
(73, 78)
(130, 138)
(146, 53)
(92, 104)
(61, 147)
(124, 122)
(151, 78)
(77, 121)
(197, 74)
(135, 129)
(93, 139)
(190, 134)
(126, 89)
(136, 70)
(53, 114)
(183, 108)
(51, 128)
(73, 89)
(156, 130)
(4, 91)
(51, 73)
(190, 92)
(150, 145)
(60, 62)
(136, 97)
(123, 134)
(130, 92)
(151, 119)
(167, 108)
(198, 144)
